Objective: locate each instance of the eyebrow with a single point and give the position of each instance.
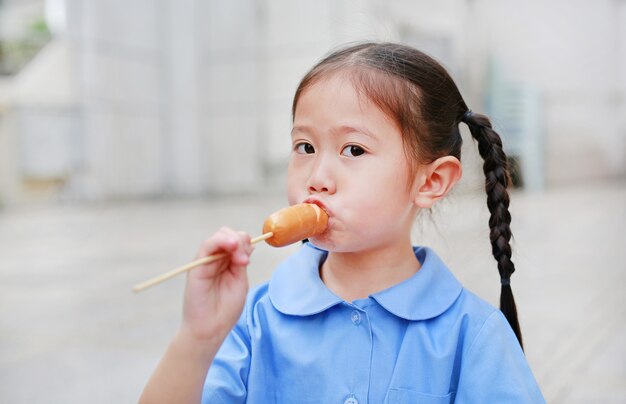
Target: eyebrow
(336, 130)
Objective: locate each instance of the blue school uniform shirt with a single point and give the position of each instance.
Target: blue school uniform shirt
(424, 340)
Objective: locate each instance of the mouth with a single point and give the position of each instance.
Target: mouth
(318, 203)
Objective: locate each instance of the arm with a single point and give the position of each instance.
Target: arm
(180, 375)
(214, 298)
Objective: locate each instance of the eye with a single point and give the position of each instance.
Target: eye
(352, 151)
(304, 148)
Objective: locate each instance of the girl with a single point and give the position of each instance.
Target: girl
(359, 315)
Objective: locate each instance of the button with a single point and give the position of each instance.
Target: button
(356, 317)
(351, 400)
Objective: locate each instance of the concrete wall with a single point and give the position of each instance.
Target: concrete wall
(117, 56)
(194, 97)
(169, 94)
(574, 52)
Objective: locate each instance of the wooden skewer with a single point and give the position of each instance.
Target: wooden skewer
(206, 260)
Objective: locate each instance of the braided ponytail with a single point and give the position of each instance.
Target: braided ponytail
(497, 178)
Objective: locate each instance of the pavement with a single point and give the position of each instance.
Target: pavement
(71, 330)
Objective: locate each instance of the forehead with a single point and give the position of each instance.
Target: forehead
(337, 98)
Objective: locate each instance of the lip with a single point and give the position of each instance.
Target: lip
(319, 203)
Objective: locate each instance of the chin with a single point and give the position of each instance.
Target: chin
(324, 242)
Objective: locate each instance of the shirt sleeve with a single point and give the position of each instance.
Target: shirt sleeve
(495, 370)
(227, 377)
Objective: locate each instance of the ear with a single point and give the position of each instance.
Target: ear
(435, 180)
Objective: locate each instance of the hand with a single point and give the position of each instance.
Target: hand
(215, 293)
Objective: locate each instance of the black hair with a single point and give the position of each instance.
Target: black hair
(419, 95)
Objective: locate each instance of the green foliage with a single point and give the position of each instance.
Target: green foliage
(40, 27)
(16, 53)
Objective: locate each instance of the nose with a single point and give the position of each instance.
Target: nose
(321, 179)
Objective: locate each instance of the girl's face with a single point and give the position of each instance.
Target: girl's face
(348, 157)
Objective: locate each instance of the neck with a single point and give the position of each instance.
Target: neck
(357, 275)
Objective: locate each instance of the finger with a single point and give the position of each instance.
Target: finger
(224, 240)
(241, 255)
(240, 272)
(247, 242)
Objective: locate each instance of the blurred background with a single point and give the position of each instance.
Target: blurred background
(130, 131)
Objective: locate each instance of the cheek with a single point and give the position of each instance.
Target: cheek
(294, 186)
(292, 198)
(386, 192)
(393, 182)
